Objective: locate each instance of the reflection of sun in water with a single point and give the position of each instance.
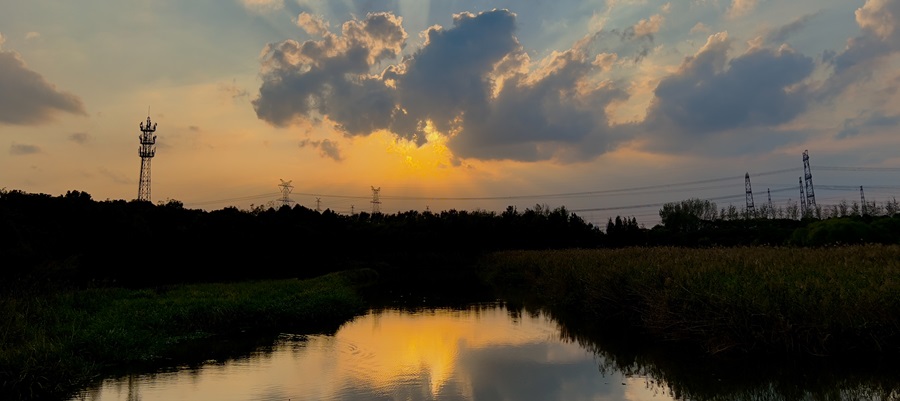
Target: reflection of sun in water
(427, 345)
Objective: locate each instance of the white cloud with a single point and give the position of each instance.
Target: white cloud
(649, 26)
(740, 8)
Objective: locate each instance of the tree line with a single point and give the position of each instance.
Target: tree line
(74, 238)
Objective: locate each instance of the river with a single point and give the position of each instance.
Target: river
(481, 352)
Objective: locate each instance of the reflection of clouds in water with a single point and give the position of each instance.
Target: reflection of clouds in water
(432, 355)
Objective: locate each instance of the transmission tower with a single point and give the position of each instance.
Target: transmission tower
(146, 151)
(751, 209)
(802, 200)
(862, 200)
(286, 189)
(376, 202)
(810, 194)
(769, 205)
(318, 204)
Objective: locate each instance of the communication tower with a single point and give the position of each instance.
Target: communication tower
(318, 204)
(376, 202)
(769, 205)
(146, 151)
(802, 200)
(810, 194)
(751, 209)
(286, 189)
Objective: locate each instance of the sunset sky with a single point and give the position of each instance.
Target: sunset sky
(453, 104)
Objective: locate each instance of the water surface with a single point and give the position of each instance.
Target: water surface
(479, 353)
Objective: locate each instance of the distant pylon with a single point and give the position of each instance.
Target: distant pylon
(862, 200)
(376, 202)
(286, 189)
(810, 193)
(318, 204)
(802, 200)
(751, 209)
(769, 205)
(146, 151)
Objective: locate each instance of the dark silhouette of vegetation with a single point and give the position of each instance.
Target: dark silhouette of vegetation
(73, 238)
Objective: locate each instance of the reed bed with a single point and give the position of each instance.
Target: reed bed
(825, 301)
(52, 344)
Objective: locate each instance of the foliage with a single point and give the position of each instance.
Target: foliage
(839, 300)
(52, 343)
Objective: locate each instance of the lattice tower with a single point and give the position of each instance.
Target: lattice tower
(751, 209)
(810, 193)
(286, 189)
(147, 150)
(376, 201)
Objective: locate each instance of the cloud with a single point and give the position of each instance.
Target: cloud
(262, 5)
(867, 121)
(711, 94)
(649, 26)
(701, 28)
(331, 76)
(312, 24)
(32, 35)
(780, 35)
(17, 149)
(26, 98)
(80, 138)
(740, 8)
(327, 148)
(472, 82)
(865, 53)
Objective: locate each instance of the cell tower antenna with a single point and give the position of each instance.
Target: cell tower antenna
(802, 200)
(318, 204)
(147, 150)
(286, 189)
(810, 193)
(376, 201)
(862, 200)
(769, 205)
(751, 209)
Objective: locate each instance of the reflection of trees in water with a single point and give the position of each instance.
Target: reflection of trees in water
(686, 375)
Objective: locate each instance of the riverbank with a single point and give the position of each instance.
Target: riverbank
(54, 343)
(753, 300)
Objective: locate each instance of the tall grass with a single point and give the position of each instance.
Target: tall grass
(769, 300)
(52, 344)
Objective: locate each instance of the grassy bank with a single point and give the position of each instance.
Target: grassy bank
(53, 344)
(827, 301)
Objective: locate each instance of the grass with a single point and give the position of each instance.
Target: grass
(51, 345)
(827, 301)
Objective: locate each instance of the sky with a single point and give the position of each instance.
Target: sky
(605, 107)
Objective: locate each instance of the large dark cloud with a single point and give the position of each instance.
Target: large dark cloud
(711, 94)
(330, 77)
(26, 98)
(473, 81)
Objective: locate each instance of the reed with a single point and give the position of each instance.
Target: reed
(51, 345)
(825, 301)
